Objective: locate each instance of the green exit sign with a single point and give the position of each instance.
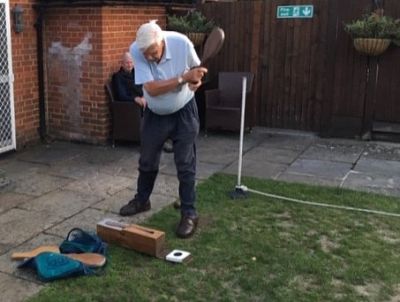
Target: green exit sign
(295, 11)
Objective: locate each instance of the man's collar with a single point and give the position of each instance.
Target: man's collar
(167, 52)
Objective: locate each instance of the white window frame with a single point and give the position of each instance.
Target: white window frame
(9, 78)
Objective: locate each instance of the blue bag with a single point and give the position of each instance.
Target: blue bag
(52, 266)
(80, 241)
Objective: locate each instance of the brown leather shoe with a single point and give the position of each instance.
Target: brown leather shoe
(134, 207)
(187, 226)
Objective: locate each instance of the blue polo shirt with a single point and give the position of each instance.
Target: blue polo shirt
(179, 56)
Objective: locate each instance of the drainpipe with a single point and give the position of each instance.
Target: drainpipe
(42, 104)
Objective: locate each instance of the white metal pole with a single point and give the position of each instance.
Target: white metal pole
(244, 84)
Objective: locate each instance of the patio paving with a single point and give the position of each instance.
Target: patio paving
(47, 189)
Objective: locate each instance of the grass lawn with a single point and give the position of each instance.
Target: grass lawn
(259, 249)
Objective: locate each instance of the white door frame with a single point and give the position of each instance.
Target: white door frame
(9, 142)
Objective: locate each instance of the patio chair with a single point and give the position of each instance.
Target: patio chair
(223, 105)
(126, 118)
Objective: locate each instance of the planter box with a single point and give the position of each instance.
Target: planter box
(371, 47)
(196, 38)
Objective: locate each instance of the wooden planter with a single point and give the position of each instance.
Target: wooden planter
(196, 38)
(371, 47)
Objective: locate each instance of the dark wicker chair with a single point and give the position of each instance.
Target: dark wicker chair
(223, 105)
(126, 118)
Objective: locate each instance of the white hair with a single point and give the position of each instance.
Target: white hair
(149, 34)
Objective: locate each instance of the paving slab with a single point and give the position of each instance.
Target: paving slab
(15, 289)
(225, 141)
(50, 153)
(205, 170)
(36, 184)
(256, 169)
(100, 184)
(373, 182)
(103, 155)
(74, 169)
(9, 200)
(222, 150)
(18, 226)
(378, 166)
(85, 164)
(334, 151)
(14, 168)
(221, 156)
(271, 154)
(62, 203)
(167, 164)
(166, 185)
(298, 143)
(382, 150)
(309, 179)
(319, 168)
(86, 219)
(127, 166)
(3, 177)
(4, 182)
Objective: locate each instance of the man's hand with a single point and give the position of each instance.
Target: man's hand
(141, 101)
(194, 75)
(194, 86)
(156, 88)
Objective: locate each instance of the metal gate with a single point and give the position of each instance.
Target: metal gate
(7, 119)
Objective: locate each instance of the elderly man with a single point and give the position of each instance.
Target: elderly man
(123, 83)
(166, 65)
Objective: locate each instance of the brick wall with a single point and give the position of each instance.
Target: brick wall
(83, 46)
(24, 59)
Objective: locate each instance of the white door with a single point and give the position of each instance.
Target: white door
(7, 118)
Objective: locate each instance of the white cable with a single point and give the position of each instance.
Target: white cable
(323, 204)
(245, 189)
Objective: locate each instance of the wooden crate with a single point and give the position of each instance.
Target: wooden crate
(132, 236)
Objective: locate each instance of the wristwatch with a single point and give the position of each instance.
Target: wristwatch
(181, 80)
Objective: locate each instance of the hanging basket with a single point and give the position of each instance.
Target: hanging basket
(370, 46)
(196, 38)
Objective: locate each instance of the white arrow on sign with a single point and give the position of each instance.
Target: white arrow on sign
(306, 11)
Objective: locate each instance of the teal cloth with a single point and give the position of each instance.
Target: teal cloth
(80, 241)
(53, 266)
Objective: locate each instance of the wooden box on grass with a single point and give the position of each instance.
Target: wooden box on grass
(132, 236)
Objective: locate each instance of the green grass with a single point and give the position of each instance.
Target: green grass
(259, 249)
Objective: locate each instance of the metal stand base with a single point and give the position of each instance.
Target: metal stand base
(240, 192)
